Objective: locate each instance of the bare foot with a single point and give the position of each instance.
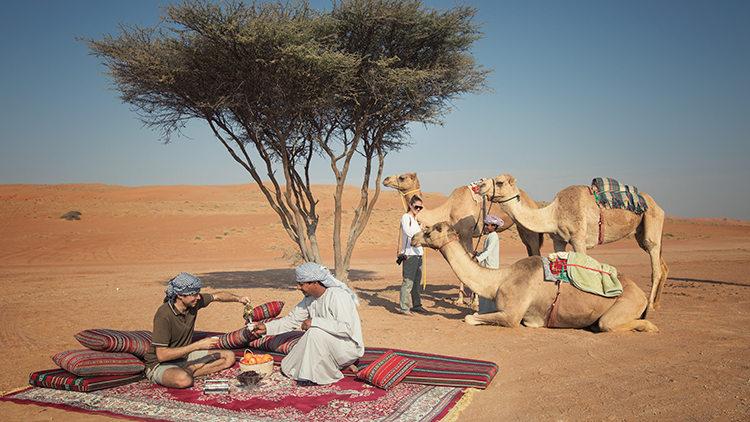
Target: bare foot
(209, 358)
(200, 363)
(353, 368)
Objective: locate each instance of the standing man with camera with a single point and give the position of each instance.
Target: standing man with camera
(411, 260)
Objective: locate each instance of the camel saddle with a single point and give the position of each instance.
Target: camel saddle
(611, 194)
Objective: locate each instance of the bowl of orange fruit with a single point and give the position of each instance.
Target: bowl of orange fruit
(262, 364)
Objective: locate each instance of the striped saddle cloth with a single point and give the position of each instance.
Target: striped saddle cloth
(611, 194)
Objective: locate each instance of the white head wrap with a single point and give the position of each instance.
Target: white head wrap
(310, 271)
(493, 219)
(184, 284)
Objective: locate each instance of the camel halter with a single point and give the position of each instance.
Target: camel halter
(509, 199)
(446, 243)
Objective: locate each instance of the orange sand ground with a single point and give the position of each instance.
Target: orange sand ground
(109, 270)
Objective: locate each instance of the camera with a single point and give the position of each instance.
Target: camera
(400, 258)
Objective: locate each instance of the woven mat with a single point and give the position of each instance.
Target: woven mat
(276, 399)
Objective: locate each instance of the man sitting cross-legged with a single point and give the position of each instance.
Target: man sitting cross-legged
(173, 360)
(328, 316)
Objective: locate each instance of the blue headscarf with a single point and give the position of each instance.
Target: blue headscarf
(184, 284)
(310, 271)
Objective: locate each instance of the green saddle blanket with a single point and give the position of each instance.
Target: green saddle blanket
(583, 272)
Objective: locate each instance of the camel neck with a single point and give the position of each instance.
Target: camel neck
(484, 281)
(535, 220)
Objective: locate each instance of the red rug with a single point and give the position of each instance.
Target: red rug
(276, 398)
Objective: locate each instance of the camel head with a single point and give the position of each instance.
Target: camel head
(499, 189)
(404, 183)
(435, 236)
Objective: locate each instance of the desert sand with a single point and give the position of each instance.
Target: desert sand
(110, 268)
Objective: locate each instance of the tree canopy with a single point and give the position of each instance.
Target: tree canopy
(281, 84)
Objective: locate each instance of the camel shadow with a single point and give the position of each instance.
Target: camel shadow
(694, 280)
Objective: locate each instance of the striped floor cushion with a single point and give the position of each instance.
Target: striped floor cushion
(118, 341)
(437, 369)
(86, 363)
(431, 369)
(63, 380)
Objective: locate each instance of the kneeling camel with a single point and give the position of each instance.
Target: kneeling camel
(523, 296)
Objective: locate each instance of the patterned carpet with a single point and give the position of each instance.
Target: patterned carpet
(275, 399)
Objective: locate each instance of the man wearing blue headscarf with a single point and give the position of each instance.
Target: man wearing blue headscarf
(173, 360)
(328, 316)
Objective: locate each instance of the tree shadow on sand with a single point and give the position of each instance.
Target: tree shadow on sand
(440, 294)
(276, 278)
(284, 278)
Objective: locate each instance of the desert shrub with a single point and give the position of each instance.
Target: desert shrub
(72, 215)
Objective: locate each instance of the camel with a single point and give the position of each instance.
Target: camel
(523, 296)
(574, 217)
(464, 213)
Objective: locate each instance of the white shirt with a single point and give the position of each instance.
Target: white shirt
(490, 256)
(409, 227)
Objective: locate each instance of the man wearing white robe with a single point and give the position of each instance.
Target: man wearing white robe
(333, 334)
(490, 256)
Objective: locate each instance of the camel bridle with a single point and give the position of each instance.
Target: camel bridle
(503, 201)
(446, 243)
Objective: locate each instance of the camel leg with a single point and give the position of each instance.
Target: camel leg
(579, 245)
(649, 238)
(625, 312)
(501, 318)
(652, 245)
(662, 280)
(560, 245)
(466, 240)
(510, 311)
(532, 241)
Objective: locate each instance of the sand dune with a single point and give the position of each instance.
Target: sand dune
(109, 270)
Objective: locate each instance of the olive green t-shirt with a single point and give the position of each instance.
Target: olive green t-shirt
(173, 329)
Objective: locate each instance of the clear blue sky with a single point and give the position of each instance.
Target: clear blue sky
(655, 94)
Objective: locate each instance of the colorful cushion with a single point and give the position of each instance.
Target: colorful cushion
(88, 362)
(61, 379)
(387, 371)
(236, 339)
(134, 342)
(281, 343)
(267, 310)
(447, 371)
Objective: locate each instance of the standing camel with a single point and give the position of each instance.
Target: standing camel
(574, 217)
(463, 210)
(523, 296)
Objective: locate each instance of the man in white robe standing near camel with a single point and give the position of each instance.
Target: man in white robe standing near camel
(333, 334)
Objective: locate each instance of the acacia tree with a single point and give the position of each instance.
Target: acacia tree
(281, 84)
